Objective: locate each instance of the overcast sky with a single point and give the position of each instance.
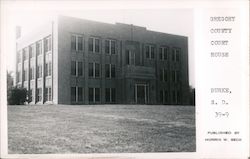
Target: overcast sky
(31, 14)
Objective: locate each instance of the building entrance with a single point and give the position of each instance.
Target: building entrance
(141, 93)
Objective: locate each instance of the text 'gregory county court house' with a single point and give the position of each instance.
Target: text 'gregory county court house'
(76, 61)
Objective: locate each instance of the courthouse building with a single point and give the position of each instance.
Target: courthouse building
(76, 61)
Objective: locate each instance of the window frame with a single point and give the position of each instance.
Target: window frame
(94, 46)
(94, 70)
(149, 54)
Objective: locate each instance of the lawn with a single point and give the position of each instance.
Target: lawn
(100, 129)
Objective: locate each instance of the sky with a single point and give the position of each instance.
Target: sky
(31, 14)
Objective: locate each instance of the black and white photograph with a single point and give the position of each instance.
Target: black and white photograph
(93, 80)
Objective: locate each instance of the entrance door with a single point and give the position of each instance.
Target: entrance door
(141, 93)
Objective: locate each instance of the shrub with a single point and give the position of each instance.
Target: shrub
(17, 96)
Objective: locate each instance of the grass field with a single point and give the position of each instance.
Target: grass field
(100, 129)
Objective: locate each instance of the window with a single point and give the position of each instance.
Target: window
(150, 52)
(25, 72)
(79, 43)
(31, 95)
(164, 96)
(97, 70)
(175, 76)
(48, 94)
(163, 75)
(94, 70)
(110, 71)
(110, 46)
(176, 96)
(39, 71)
(47, 44)
(31, 51)
(73, 68)
(38, 48)
(164, 53)
(94, 94)
(130, 57)
(39, 94)
(91, 69)
(97, 95)
(80, 68)
(73, 94)
(110, 95)
(176, 54)
(94, 44)
(19, 77)
(73, 42)
(91, 94)
(48, 68)
(25, 54)
(76, 43)
(76, 94)
(79, 94)
(32, 73)
(127, 57)
(161, 96)
(76, 68)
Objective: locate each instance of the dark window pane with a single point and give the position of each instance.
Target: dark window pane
(50, 68)
(73, 42)
(161, 74)
(46, 69)
(80, 94)
(147, 51)
(80, 43)
(177, 55)
(173, 96)
(112, 71)
(38, 48)
(91, 94)
(127, 57)
(91, 42)
(113, 95)
(97, 70)
(97, 94)
(73, 68)
(161, 54)
(97, 45)
(152, 52)
(173, 55)
(173, 76)
(107, 46)
(112, 47)
(165, 53)
(107, 71)
(161, 96)
(107, 95)
(45, 45)
(166, 96)
(80, 68)
(91, 70)
(165, 75)
(73, 94)
(178, 97)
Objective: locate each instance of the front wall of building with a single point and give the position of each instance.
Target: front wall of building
(137, 72)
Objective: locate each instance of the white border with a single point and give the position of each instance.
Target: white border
(141, 4)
